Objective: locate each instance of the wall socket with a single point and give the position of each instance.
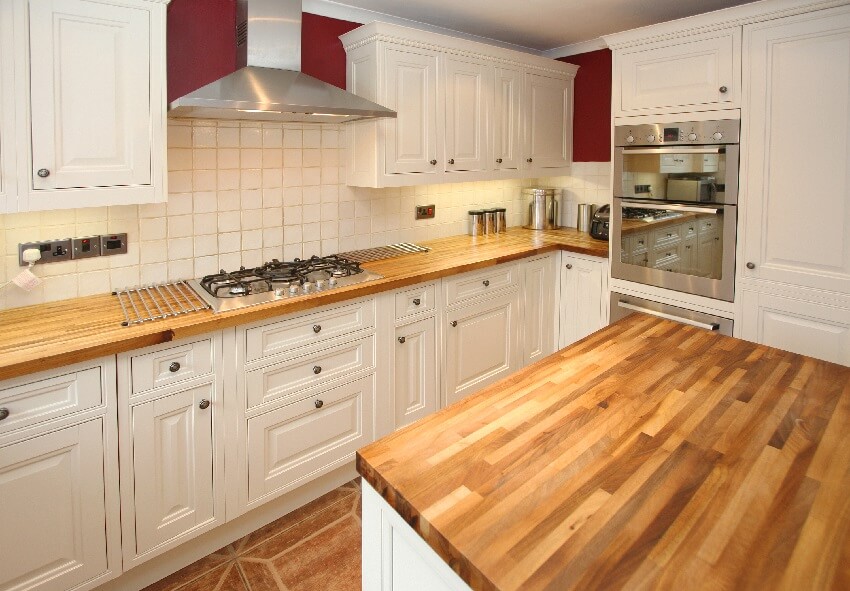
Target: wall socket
(643, 189)
(66, 249)
(425, 212)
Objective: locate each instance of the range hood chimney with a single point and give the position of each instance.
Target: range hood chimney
(269, 84)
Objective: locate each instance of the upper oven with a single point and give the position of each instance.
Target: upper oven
(674, 213)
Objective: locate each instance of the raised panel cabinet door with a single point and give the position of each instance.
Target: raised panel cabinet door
(539, 321)
(548, 121)
(467, 94)
(482, 345)
(8, 191)
(506, 122)
(173, 466)
(698, 70)
(796, 218)
(54, 517)
(90, 94)
(582, 309)
(411, 89)
(415, 368)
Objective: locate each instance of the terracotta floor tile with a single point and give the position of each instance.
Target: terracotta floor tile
(193, 571)
(329, 561)
(224, 578)
(258, 574)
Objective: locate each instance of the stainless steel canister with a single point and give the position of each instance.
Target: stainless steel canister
(489, 221)
(585, 215)
(476, 222)
(542, 208)
(501, 219)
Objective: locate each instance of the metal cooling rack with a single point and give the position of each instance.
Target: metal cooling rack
(158, 301)
(383, 252)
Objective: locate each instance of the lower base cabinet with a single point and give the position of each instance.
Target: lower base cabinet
(584, 297)
(415, 371)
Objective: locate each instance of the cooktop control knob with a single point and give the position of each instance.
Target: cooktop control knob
(650, 138)
(307, 287)
(630, 139)
(332, 281)
(320, 284)
(293, 289)
(717, 136)
(692, 137)
(279, 292)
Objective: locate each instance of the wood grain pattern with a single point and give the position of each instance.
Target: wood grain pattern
(46, 336)
(650, 455)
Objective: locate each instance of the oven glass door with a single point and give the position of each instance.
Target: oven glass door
(689, 248)
(686, 174)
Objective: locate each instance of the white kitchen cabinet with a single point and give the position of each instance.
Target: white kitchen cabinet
(540, 317)
(90, 86)
(468, 94)
(415, 371)
(691, 72)
(548, 122)
(507, 126)
(8, 191)
(584, 297)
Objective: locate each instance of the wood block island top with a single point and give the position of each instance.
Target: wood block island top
(650, 455)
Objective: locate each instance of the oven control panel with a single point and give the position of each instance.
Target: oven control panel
(722, 131)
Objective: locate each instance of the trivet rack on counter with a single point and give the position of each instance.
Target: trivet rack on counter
(158, 301)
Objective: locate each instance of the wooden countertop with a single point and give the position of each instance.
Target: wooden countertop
(650, 455)
(45, 336)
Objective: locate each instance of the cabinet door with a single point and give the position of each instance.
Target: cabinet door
(411, 87)
(54, 517)
(796, 217)
(7, 111)
(794, 325)
(90, 94)
(582, 310)
(415, 368)
(539, 321)
(467, 95)
(684, 72)
(548, 121)
(173, 467)
(507, 126)
(482, 345)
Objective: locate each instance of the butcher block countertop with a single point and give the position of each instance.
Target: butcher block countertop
(46, 336)
(650, 455)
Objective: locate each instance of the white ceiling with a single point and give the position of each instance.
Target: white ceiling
(540, 25)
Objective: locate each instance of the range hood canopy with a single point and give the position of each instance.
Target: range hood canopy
(270, 85)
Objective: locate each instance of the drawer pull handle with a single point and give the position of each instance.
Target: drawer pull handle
(724, 90)
(43, 173)
(317, 328)
(454, 322)
(174, 367)
(401, 340)
(486, 283)
(433, 162)
(751, 265)
(451, 160)
(319, 403)
(204, 404)
(569, 266)
(4, 413)
(498, 160)
(669, 235)
(317, 369)
(529, 160)
(417, 301)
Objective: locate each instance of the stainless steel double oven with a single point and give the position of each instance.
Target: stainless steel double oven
(674, 213)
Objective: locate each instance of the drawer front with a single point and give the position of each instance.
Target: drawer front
(472, 285)
(707, 226)
(171, 365)
(413, 301)
(308, 329)
(289, 446)
(689, 230)
(639, 243)
(665, 236)
(290, 378)
(52, 398)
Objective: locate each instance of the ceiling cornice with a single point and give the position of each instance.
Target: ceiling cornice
(575, 48)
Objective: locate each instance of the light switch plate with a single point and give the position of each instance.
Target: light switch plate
(425, 212)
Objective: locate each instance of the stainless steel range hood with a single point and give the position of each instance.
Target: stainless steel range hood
(270, 86)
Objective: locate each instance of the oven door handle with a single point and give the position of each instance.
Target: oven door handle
(659, 150)
(672, 207)
(704, 325)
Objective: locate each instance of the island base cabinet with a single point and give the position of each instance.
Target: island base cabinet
(54, 515)
(395, 558)
(415, 368)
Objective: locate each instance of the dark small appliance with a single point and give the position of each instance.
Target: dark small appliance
(599, 223)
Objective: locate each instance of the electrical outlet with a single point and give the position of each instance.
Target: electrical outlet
(425, 212)
(113, 244)
(87, 247)
(52, 251)
(643, 189)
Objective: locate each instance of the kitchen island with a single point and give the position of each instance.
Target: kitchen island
(648, 455)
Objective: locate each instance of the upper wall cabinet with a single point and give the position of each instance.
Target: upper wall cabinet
(89, 86)
(466, 111)
(8, 192)
(690, 73)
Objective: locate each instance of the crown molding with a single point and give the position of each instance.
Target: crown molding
(575, 48)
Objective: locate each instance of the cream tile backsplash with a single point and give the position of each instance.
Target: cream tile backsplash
(243, 194)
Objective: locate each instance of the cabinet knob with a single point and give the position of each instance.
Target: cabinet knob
(569, 266)
(204, 404)
(174, 367)
(433, 162)
(529, 160)
(417, 301)
(319, 403)
(317, 328)
(451, 160)
(401, 340)
(43, 173)
(498, 160)
(454, 323)
(724, 90)
(486, 283)
(4, 413)
(317, 369)
(669, 235)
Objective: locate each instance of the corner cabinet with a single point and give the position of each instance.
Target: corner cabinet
(89, 88)
(584, 297)
(467, 111)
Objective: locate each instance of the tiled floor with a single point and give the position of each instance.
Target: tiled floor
(316, 547)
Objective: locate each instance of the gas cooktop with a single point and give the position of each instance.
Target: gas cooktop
(644, 215)
(278, 280)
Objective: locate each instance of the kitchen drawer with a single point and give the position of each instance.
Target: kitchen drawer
(668, 258)
(171, 365)
(422, 298)
(33, 402)
(289, 379)
(667, 235)
(639, 243)
(290, 445)
(470, 286)
(708, 225)
(308, 329)
(689, 229)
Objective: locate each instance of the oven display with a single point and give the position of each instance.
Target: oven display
(671, 134)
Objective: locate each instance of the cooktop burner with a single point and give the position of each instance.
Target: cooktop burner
(647, 215)
(278, 280)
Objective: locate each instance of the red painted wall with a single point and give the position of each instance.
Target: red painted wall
(592, 118)
(322, 55)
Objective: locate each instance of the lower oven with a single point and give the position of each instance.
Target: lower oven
(624, 305)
